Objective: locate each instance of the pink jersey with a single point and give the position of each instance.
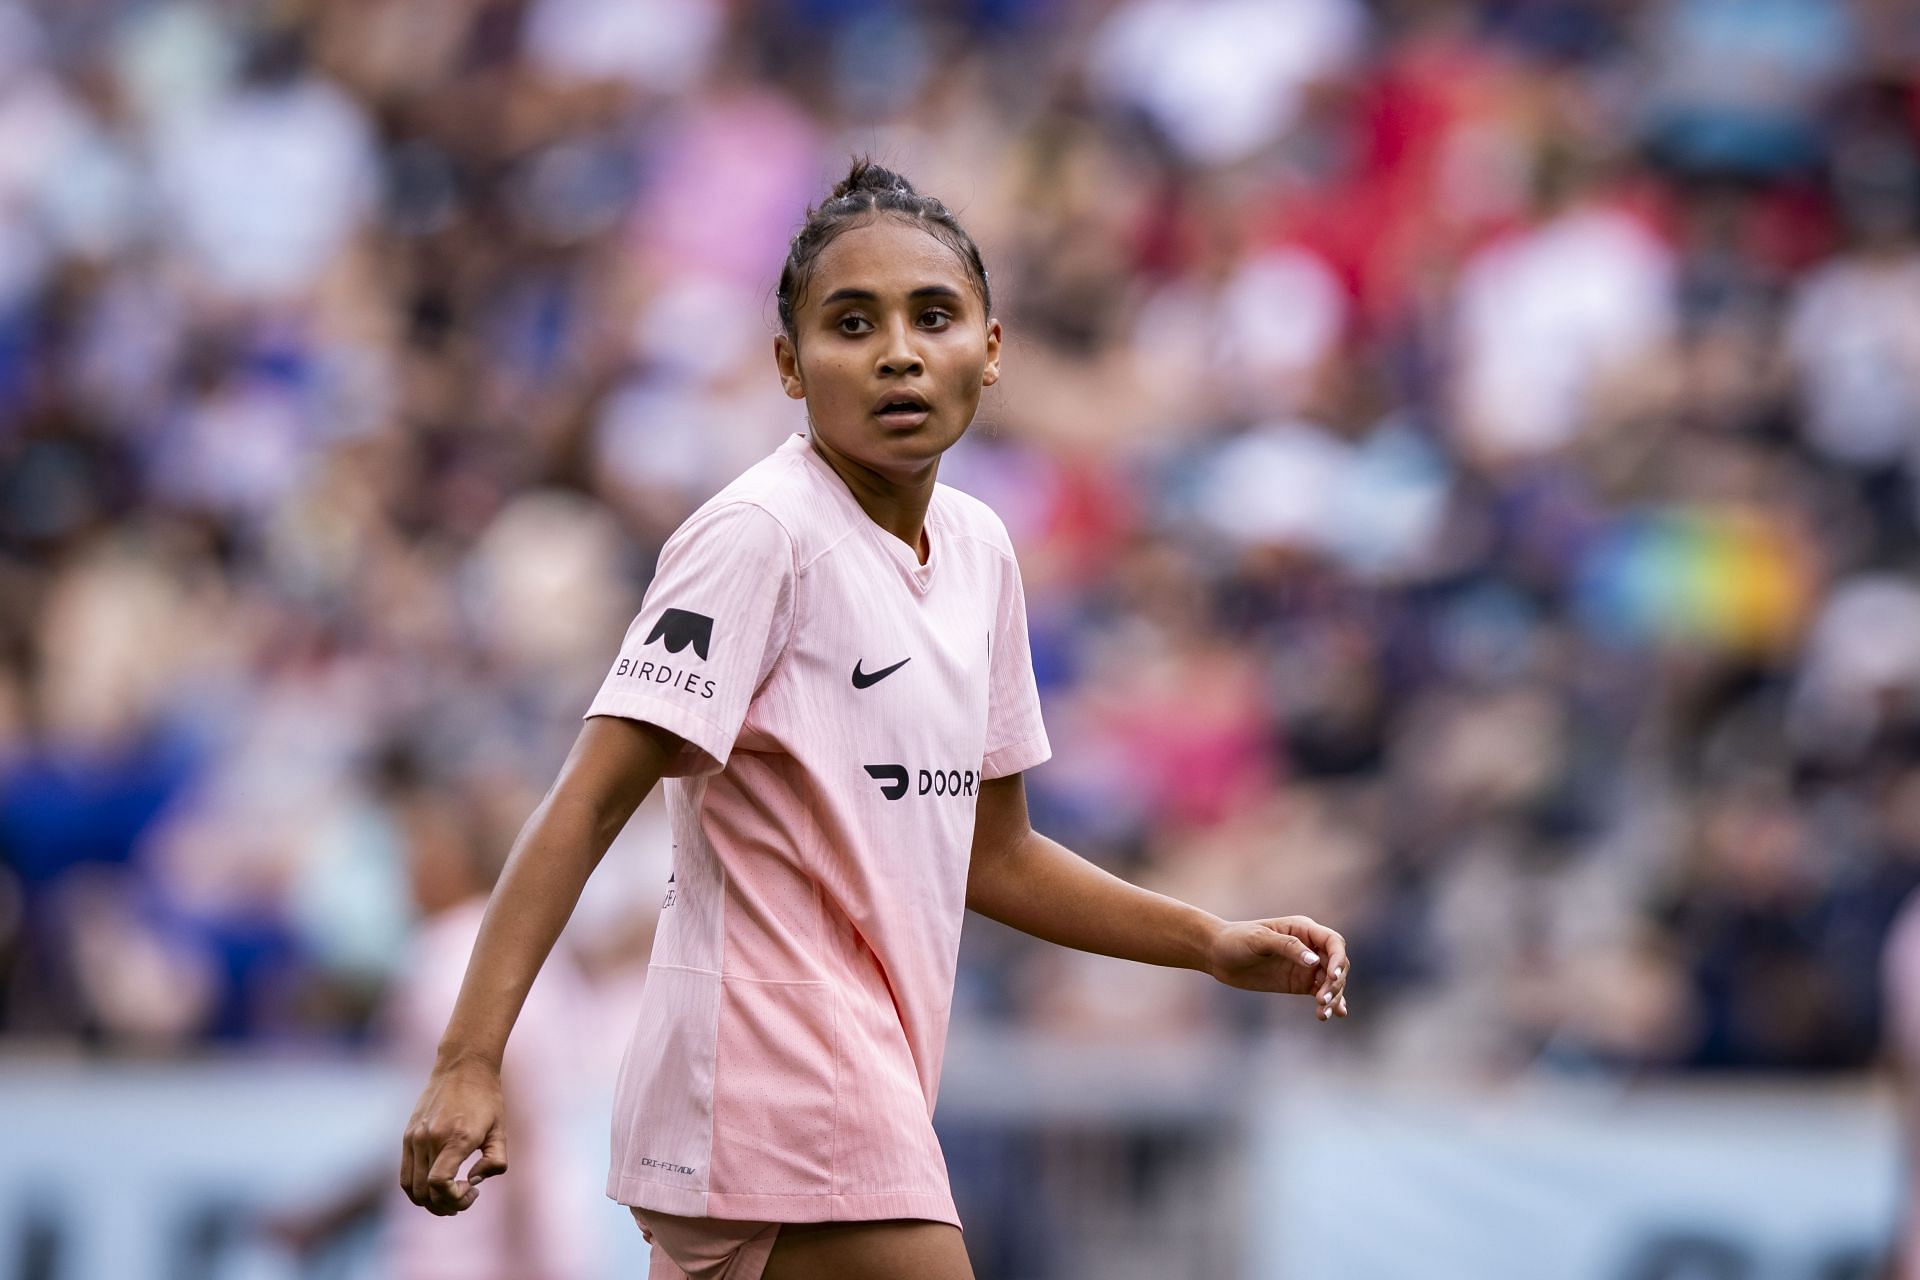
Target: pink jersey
(841, 704)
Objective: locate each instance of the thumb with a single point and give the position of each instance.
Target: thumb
(493, 1158)
(1271, 942)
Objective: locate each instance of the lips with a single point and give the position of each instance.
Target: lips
(902, 408)
(899, 399)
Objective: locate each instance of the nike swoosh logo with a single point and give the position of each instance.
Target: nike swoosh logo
(862, 679)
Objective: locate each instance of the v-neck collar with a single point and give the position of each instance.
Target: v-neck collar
(920, 576)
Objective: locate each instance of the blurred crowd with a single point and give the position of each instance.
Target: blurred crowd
(1464, 454)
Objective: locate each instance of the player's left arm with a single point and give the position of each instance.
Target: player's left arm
(1021, 878)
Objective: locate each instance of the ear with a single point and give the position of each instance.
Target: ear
(991, 374)
(787, 360)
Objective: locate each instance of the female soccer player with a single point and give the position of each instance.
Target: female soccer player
(831, 667)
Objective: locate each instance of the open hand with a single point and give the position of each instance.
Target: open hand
(459, 1112)
(1291, 955)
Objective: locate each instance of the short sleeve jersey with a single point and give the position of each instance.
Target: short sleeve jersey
(840, 703)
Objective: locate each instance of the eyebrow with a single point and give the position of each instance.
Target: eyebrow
(867, 295)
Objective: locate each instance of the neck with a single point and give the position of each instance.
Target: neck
(897, 504)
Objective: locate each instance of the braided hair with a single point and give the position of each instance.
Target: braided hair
(868, 189)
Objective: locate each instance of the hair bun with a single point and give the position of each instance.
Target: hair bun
(869, 191)
(868, 176)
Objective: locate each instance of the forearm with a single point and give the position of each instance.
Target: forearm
(1040, 887)
(557, 850)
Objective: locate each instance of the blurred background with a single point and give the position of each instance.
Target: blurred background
(1465, 461)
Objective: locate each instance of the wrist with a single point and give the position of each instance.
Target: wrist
(455, 1057)
(1204, 931)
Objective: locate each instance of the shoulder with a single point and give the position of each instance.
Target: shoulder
(781, 492)
(769, 505)
(973, 520)
(732, 530)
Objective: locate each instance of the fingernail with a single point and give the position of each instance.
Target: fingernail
(1308, 957)
(1337, 972)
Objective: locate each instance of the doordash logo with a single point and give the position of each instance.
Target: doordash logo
(897, 779)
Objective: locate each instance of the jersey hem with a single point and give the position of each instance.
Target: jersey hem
(690, 1202)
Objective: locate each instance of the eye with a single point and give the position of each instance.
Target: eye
(852, 317)
(939, 315)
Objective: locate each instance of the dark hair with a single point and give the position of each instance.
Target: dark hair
(868, 188)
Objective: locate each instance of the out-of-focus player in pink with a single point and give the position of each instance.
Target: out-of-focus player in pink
(538, 1231)
(831, 668)
(539, 1228)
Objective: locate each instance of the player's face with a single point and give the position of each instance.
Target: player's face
(892, 348)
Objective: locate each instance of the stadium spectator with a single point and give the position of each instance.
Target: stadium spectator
(1462, 457)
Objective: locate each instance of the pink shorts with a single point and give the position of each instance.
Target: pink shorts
(705, 1248)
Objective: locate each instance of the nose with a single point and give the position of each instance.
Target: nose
(898, 355)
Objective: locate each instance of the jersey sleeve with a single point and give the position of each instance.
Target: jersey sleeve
(1016, 738)
(715, 619)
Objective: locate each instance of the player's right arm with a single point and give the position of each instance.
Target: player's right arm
(614, 763)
